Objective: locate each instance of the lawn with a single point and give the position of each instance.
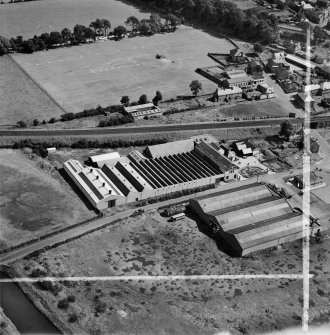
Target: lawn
(21, 98)
(33, 202)
(100, 73)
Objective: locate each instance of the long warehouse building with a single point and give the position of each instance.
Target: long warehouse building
(164, 169)
(248, 218)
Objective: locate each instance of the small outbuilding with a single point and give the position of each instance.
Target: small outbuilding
(139, 111)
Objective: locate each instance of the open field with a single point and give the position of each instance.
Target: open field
(37, 17)
(34, 202)
(100, 73)
(21, 98)
(149, 245)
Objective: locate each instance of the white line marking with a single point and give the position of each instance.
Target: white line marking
(155, 278)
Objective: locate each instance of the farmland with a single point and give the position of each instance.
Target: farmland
(83, 77)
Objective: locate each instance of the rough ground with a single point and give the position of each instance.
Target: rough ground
(149, 245)
(33, 202)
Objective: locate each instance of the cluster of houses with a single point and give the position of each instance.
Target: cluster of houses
(239, 75)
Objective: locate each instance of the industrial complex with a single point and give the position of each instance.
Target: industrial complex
(249, 218)
(162, 169)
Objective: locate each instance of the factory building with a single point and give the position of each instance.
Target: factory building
(248, 218)
(162, 169)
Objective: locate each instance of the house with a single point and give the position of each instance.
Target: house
(139, 111)
(244, 148)
(301, 182)
(237, 56)
(241, 79)
(305, 100)
(281, 73)
(301, 62)
(313, 88)
(324, 88)
(254, 68)
(279, 56)
(227, 94)
(272, 65)
(324, 71)
(265, 89)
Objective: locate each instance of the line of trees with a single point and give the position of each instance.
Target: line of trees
(82, 34)
(85, 144)
(253, 23)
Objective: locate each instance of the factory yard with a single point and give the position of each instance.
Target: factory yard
(101, 73)
(32, 202)
(149, 245)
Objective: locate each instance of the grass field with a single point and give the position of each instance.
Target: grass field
(21, 98)
(85, 76)
(37, 17)
(34, 202)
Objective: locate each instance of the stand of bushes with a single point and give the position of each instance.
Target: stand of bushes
(92, 112)
(84, 144)
(82, 34)
(115, 121)
(253, 23)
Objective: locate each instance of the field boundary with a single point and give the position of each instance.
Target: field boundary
(38, 85)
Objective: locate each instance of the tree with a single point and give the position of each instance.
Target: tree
(36, 122)
(258, 48)
(144, 27)
(195, 87)
(66, 35)
(63, 304)
(21, 124)
(120, 31)
(4, 45)
(319, 34)
(28, 47)
(286, 129)
(155, 23)
(46, 38)
(89, 34)
(52, 120)
(55, 38)
(172, 21)
(133, 22)
(125, 100)
(158, 97)
(79, 33)
(143, 99)
(106, 26)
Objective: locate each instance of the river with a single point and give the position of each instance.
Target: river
(21, 311)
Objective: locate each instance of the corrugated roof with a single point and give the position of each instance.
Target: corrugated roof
(104, 157)
(252, 215)
(171, 148)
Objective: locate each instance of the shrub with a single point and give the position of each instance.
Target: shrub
(143, 99)
(100, 306)
(36, 122)
(37, 273)
(52, 120)
(21, 124)
(71, 298)
(73, 318)
(63, 304)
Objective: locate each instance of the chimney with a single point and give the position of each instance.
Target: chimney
(103, 184)
(109, 191)
(91, 170)
(97, 177)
